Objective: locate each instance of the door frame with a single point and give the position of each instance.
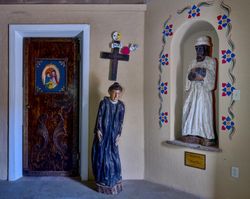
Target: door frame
(16, 35)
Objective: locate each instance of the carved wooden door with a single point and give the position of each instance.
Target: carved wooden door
(51, 127)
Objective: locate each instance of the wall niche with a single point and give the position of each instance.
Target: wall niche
(182, 52)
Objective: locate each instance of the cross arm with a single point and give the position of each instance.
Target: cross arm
(122, 57)
(113, 56)
(107, 55)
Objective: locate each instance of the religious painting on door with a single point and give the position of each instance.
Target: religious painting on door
(51, 126)
(50, 75)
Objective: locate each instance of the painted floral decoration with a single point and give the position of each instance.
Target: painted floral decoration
(164, 117)
(227, 123)
(168, 30)
(194, 12)
(163, 88)
(227, 89)
(227, 56)
(223, 21)
(164, 59)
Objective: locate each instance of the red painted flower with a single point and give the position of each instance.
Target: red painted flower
(227, 89)
(223, 21)
(227, 56)
(194, 12)
(163, 88)
(168, 30)
(227, 123)
(164, 117)
(164, 59)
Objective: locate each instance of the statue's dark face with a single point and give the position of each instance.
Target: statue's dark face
(201, 52)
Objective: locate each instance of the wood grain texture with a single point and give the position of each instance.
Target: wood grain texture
(51, 119)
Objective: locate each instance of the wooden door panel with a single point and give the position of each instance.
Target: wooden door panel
(51, 93)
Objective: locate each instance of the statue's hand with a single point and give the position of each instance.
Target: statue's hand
(199, 78)
(200, 72)
(191, 76)
(193, 70)
(117, 140)
(197, 74)
(99, 135)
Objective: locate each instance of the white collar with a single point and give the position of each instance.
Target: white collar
(113, 101)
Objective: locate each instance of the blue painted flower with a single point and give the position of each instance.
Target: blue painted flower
(223, 21)
(163, 88)
(168, 30)
(227, 123)
(164, 117)
(164, 59)
(227, 89)
(227, 56)
(194, 12)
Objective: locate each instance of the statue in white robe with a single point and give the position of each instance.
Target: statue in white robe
(197, 119)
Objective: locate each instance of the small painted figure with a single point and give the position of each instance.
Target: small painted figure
(116, 36)
(130, 48)
(54, 77)
(197, 119)
(106, 163)
(51, 80)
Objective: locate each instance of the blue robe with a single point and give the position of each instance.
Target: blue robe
(106, 163)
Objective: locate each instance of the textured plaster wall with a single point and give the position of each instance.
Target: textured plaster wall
(103, 20)
(165, 163)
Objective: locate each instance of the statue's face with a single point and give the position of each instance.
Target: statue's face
(115, 95)
(201, 51)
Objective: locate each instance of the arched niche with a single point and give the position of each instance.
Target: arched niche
(182, 53)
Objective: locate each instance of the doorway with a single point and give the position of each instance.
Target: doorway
(51, 104)
(16, 35)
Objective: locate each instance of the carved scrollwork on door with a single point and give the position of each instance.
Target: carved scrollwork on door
(59, 135)
(38, 152)
(42, 131)
(51, 146)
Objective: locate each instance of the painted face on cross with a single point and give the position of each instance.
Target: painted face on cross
(116, 36)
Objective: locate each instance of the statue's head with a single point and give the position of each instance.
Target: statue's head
(202, 46)
(115, 91)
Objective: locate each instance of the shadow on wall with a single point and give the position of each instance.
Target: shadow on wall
(182, 53)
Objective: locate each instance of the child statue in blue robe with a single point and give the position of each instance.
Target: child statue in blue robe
(106, 163)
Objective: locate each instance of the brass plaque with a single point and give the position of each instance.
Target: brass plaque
(195, 160)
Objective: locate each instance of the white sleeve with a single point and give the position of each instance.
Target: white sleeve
(188, 82)
(209, 80)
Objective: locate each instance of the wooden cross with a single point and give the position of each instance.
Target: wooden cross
(114, 57)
